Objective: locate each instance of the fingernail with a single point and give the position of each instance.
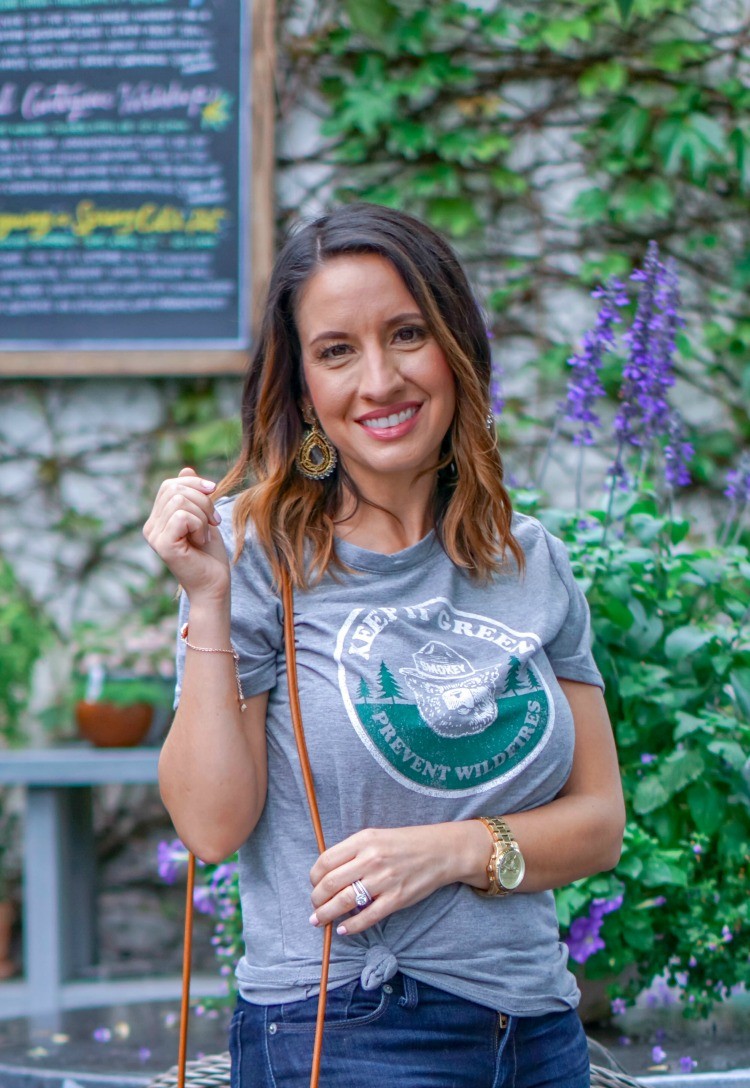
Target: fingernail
(313, 919)
(208, 484)
(216, 518)
(341, 930)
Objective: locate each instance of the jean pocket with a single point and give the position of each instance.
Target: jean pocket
(235, 1047)
(347, 1006)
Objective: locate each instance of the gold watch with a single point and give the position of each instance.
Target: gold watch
(506, 866)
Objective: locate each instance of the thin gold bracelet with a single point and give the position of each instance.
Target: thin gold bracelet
(215, 650)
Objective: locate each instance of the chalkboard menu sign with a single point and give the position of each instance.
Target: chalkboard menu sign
(124, 154)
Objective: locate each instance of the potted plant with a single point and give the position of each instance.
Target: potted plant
(123, 674)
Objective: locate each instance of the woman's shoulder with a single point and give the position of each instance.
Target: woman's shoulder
(538, 544)
(528, 531)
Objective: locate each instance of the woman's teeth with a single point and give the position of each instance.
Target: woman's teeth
(392, 420)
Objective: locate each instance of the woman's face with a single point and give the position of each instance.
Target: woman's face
(378, 381)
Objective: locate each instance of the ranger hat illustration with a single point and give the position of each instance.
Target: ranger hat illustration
(454, 699)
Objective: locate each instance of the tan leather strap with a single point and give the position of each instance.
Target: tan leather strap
(287, 597)
(187, 959)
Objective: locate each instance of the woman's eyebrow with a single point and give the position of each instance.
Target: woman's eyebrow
(337, 334)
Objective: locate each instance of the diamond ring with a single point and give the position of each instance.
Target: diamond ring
(362, 897)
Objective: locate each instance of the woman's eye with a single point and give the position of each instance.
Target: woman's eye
(335, 351)
(410, 334)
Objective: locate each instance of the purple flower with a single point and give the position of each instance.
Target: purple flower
(171, 856)
(649, 371)
(204, 901)
(658, 1055)
(618, 1006)
(583, 939)
(497, 400)
(692, 962)
(584, 386)
(678, 453)
(738, 482)
(600, 907)
(625, 1040)
(101, 1035)
(687, 1064)
(697, 849)
(726, 934)
(659, 901)
(647, 758)
(144, 1054)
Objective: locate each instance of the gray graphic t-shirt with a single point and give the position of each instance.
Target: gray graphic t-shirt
(426, 697)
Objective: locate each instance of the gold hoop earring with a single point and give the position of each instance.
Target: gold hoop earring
(316, 457)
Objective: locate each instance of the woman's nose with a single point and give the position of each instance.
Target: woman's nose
(380, 374)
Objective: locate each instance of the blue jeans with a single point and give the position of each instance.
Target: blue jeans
(405, 1034)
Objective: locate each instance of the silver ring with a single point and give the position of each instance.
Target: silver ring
(362, 897)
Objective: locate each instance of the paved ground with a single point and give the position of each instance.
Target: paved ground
(124, 1047)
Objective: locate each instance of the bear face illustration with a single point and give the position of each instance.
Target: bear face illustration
(454, 699)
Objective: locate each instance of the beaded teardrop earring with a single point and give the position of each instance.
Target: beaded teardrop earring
(316, 457)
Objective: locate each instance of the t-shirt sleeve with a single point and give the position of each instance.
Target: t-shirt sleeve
(257, 625)
(569, 651)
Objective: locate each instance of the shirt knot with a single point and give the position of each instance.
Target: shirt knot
(380, 965)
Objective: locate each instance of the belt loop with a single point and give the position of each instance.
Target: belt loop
(410, 1000)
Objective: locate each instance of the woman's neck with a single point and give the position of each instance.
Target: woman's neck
(397, 520)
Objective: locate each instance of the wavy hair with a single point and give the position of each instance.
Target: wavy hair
(294, 517)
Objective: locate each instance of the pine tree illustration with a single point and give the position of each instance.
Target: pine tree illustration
(511, 680)
(364, 690)
(391, 690)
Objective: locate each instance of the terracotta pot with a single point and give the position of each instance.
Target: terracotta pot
(7, 918)
(109, 725)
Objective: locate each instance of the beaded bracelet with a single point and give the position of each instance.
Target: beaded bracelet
(214, 650)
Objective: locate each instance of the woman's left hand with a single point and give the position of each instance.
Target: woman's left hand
(398, 866)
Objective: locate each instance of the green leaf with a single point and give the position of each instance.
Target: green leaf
(680, 768)
(671, 56)
(730, 751)
(740, 681)
(630, 128)
(591, 205)
(684, 641)
(608, 75)
(636, 200)
(629, 865)
(371, 18)
(687, 724)
(658, 870)
(624, 7)
(706, 806)
(454, 214)
(558, 33)
(618, 612)
(649, 795)
(490, 146)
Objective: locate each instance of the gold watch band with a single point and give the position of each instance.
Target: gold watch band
(502, 839)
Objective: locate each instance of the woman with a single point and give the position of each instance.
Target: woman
(462, 754)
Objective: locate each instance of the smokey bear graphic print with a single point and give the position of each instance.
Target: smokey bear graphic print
(446, 701)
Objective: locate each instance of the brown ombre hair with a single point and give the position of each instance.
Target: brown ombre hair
(295, 518)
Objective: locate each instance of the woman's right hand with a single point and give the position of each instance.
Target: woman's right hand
(181, 530)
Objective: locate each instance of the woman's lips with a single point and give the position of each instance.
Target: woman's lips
(374, 424)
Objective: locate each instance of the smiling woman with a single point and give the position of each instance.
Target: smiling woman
(380, 386)
(461, 752)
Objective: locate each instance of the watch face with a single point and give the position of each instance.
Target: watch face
(511, 869)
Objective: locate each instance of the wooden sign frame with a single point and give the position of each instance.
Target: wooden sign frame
(261, 220)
